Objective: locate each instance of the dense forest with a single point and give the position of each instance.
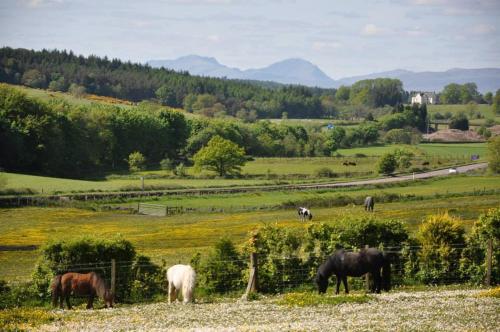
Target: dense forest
(212, 97)
(62, 139)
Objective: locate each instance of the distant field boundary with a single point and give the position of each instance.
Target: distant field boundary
(30, 200)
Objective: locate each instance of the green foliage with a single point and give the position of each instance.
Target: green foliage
(279, 263)
(377, 92)
(136, 161)
(85, 255)
(223, 269)
(313, 299)
(460, 94)
(442, 239)
(167, 164)
(398, 136)
(459, 121)
(403, 158)
(473, 262)
(23, 319)
(387, 164)
(494, 154)
(496, 102)
(220, 155)
(325, 172)
(77, 90)
(148, 279)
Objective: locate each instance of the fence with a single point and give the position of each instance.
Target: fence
(266, 273)
(158, 210)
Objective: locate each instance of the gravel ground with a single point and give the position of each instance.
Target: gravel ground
(458, 310)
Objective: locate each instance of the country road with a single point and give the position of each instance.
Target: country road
(32, 199)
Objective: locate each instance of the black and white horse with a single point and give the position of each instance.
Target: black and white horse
(304, 213)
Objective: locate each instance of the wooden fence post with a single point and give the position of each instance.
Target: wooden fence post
(367, 277)
(113, 276)
(253, 284)
(489, 255)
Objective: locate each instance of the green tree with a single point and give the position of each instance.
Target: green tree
(387, 164)
(496, 102)
(33, 78)
(494, 154)
(451, 94)
(488, 97)
(77, 90)
(342, 94)
(136, 161)
(220, 155)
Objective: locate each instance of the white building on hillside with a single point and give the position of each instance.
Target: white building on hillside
(424, 98)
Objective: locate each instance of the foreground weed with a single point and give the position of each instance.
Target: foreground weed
(494, 292)
(22, 319)
(306, 299)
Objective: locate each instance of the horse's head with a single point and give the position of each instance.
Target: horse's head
(310, 216)
(109, 298)
(322, 283)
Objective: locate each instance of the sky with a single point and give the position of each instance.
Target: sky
(343, 38)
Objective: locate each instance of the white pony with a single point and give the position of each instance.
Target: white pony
(181, 277)
(304, 213)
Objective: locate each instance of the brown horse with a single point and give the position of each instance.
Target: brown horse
(88, 284)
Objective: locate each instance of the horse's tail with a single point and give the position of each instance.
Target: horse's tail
(386, 273)
(188, 284)
(56, 289)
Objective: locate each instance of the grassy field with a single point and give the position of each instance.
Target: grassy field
(176, 238)
(260, 171)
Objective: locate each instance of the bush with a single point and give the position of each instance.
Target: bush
(148, 279)
(459, 121)
(473, 262)
(85, 255)
(442, 239)
(223, 270)
(278, 258)
(325, 172)
(494, 154)
(387, 164)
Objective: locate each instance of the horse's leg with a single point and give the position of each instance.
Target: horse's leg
(377, 281)
(338, 285)
(90, 302)
(344, 280)
(171, 293)
(61, 300)
(67, 300)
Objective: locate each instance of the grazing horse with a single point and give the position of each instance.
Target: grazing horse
(181, 277)
(88, 284)
(369, 203)
(344, 264)
(304, 213)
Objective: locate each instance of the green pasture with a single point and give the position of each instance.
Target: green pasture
(261, 171)
(274, 199)
(176, 238)
(486, 110)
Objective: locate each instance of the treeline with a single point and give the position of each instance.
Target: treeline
(58, 138)
(213, 97)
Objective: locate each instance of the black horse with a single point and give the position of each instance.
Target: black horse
(355, 264)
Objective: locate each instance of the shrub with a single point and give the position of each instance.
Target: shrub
(278, 258)
(85, 255)
(167, 164)
(387, 164)
(325, 172)
(459, 121)
(223, 270)
(442, 238)
(148, 279)
(494, 154)
(473, 262)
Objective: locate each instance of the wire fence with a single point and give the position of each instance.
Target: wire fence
(281, 273)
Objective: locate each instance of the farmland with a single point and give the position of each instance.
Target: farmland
(177, 238)
(260, 171)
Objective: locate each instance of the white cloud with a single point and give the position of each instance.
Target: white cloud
(324, 46)
(214, 38)
(373, 30)
(483, 29)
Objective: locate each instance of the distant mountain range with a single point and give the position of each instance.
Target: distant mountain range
(299, 71)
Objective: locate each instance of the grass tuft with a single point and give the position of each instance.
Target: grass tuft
(307, 299)
(23, 319)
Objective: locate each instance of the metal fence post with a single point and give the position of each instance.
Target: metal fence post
(113, 276)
